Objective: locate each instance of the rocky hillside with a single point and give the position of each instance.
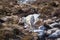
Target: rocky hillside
(19, 21)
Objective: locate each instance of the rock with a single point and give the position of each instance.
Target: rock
(53, 25)
(54, 3)
(25, 1)
(55, 34)
(51, 31)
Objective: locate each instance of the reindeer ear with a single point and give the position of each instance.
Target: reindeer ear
(23, 19)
